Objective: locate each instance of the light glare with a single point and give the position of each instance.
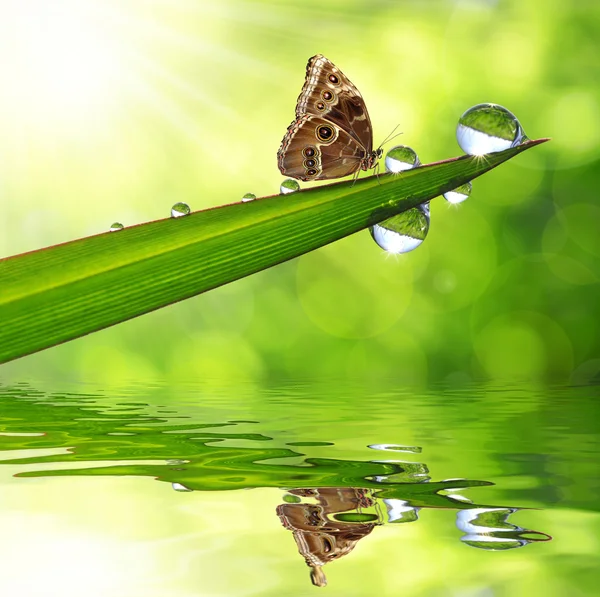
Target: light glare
(58, 61)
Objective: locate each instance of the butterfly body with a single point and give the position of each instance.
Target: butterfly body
(332, 135)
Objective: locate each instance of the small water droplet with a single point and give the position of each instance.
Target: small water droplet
(289, 185)
(116, 226)
(486, 128)
(401, 158)
(404, 232)
(289, 498)
(180, 209)
(459, 194)
(248, 197)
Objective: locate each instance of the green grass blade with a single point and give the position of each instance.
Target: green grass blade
(66, 291)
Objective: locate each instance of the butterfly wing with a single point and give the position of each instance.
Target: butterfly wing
(328, 93)
(315, 148)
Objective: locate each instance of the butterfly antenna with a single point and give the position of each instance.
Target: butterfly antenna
(390, 137)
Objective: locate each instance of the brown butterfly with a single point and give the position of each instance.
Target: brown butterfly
(332, 135)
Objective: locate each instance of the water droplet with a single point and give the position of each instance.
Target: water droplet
(248, 197)
(289, 185)
(401, 158)
(116, 226)
(404, 232)
(459, 194)
(289, 498)
(486, 128)
(179, 210)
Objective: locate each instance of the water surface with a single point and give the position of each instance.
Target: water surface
(239, 490)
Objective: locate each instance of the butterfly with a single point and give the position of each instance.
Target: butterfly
(332, 134)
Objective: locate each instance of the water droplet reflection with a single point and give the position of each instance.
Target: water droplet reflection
(396, 448)
(489, 529)
(180, 487)
(248, 197)
(116, 226)
(400, 511)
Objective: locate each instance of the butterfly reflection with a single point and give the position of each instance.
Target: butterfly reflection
(319, 536)
(332, 135)
(328, 522)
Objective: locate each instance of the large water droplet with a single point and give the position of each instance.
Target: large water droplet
(459, 194)
(248, 197)
(486, 128)
(116, 226)
(404, 232)
(179, 210)
(289, 185)
(401, 158)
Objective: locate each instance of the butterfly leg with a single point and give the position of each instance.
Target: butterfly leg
(377, 172)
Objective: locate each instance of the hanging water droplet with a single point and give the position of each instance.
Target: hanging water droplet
(289, 185)
(116, 226)
(180, 209)
(404, 232)
(248, 197)
(486, 128)
(459, 194)
(401, 158)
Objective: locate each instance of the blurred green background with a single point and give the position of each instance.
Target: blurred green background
(114, 110)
